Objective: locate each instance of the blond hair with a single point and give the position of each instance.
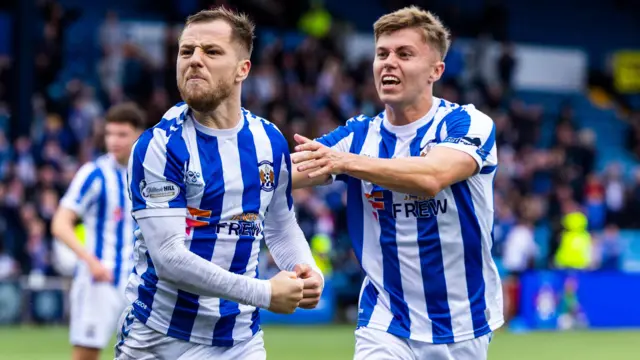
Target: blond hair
(412, 17)
(242, 28)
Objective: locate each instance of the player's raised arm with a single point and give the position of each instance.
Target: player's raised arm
(158, 191)
(465, 150)
(285, 239)
(82, 193)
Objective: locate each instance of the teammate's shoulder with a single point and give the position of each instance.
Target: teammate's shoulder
(362, 121)
(90, 169)
(451, 111)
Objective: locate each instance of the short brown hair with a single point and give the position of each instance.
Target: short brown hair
(434, 32)
(126, 113)
(242, 28)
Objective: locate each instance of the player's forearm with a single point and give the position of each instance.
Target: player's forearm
(287, 244)
(413, 176)
(62, 227)
(301, 179)
(164, 237)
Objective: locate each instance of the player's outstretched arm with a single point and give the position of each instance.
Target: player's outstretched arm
(463, 153)
(421, 176)
(301, 180)
(340, 140)
(287, 242)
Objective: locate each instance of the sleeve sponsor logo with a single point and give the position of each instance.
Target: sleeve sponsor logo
(159, 191)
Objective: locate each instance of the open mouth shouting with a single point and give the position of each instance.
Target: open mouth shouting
(389, 82)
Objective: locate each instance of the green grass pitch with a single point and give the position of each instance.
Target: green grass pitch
(336, 342)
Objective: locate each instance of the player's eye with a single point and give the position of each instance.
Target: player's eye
(213, 52)
(186, 52)
(382, 55)
(404, 55)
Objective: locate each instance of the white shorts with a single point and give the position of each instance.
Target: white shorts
(137, 341)
(372, 344)
(95, 309)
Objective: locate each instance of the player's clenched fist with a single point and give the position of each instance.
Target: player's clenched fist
(313, 285)
(286, 292)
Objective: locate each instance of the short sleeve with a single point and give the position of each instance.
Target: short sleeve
(471, 131)
(342, 138)
(339, 139)
(156, 174)
(84, 189)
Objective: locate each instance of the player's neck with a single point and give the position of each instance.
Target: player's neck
(225, 116)
(405, 114)
(124, 162)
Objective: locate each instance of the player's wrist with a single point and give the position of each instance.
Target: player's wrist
(260, 293)
(91, 260)
(352, 163)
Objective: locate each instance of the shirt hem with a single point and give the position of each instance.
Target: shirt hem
(154, 325)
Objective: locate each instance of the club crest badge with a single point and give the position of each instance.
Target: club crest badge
(267, 176)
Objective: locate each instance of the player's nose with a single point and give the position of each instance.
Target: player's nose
(196, 58)
(390, 62)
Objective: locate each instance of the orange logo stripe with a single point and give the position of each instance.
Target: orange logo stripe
(199, 212)
(196, 223)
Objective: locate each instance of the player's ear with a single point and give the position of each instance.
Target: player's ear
(242, 72)
(437, 72)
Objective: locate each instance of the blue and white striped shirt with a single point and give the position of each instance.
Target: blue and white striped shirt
(99, 196)
(223, 181)
(429, 271)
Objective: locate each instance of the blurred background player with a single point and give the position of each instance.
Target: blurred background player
(420, 184)
(201, 183)
(98, 197)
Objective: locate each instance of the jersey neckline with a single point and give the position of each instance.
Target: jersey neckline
(411, 128)
(218, 132)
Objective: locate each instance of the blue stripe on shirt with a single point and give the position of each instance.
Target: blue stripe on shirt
(117, 270)
(458, 122)
(86, 186)
(229, 310)
(433, 279)
(335, 136)
(101, 215)
(485, 150)
(432, 265)
(137, 170)
(204, 238)
(146, 290)
(367, 303)
(472, 243)
(177, 159)
(355, 217)
(391, 277)
(488, 169)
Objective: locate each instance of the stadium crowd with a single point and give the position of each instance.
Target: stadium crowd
(309, 90)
